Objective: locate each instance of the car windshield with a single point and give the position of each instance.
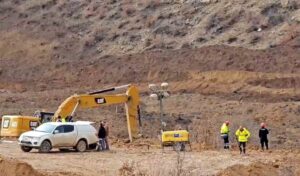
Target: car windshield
(47, 128)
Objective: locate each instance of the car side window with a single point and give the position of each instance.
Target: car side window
(68, 128)
(60, 129)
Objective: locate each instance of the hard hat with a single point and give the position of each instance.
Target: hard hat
(263, 125)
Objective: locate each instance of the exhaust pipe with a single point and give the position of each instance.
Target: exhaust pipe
(109, 89)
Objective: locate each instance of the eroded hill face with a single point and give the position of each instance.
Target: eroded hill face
(95, 28)
(66, 41)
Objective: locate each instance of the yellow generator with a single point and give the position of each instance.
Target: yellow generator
(15, 125)
(177, 139)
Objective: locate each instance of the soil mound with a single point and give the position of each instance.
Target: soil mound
(251, 170)
(287, 165)
(10, 167)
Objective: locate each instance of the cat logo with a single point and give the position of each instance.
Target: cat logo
(176, 135)
(100, 100)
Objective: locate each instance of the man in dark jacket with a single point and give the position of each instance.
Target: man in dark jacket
(101, 136)
(263, 135)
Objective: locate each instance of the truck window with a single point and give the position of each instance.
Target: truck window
(33, 124)
(6, 123)
(60, 129)
(68, 128)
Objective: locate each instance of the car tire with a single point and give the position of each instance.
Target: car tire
(26, 149)
(45, 147)
(81, 146)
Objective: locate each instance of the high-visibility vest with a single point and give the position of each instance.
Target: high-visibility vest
(224, 129)
(63, 120)
(242, 135)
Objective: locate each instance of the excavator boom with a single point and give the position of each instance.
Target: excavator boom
(96, 99)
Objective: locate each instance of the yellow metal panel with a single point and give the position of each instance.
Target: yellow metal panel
(175, 136)
(88, 101)
(17, 125)
(132, 112)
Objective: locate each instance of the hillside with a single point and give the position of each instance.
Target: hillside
(46, 41)
(236, 60)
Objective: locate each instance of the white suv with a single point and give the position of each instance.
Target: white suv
(78, 135)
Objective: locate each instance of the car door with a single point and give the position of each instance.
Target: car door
(58, 136)
(70, 134)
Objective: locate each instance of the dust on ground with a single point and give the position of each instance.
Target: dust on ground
(139, 160)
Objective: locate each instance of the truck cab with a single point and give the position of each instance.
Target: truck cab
(77, 135)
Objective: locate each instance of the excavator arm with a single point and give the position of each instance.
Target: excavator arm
(97, 99)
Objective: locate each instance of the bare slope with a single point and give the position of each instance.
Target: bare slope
(65, 42)
(81, 29)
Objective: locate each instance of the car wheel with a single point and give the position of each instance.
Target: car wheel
(45, 147)
(26, 149)
(81, 146)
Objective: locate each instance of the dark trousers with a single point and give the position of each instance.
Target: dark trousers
(263, 143)
(226, 140)
(102, 144)
(242, 146)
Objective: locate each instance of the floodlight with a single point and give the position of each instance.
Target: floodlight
(153, 95)
(152, 87)
(164, 85)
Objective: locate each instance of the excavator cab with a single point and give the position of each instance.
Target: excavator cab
(44, 116)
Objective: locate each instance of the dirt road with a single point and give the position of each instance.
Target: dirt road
(118, 160)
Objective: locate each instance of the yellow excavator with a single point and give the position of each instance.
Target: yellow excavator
(66, 110)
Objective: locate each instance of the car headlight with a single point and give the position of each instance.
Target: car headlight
(25, 138)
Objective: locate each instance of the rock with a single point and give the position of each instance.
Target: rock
(276, 165)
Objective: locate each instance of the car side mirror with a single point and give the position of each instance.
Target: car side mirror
(55, 132)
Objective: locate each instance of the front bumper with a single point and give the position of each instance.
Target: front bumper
(29, 143)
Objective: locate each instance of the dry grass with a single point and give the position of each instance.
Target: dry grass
(158, 168)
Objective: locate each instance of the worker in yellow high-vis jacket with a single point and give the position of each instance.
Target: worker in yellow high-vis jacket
(225, 134)
(242, 135)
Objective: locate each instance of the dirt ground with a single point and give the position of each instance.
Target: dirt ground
(138, 161)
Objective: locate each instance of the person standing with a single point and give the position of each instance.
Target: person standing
(263, 135)
(58, 119)
(242, 135)
(101, 136)
(225, 134)
(106, 135)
